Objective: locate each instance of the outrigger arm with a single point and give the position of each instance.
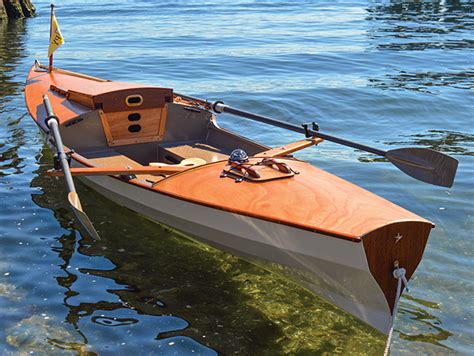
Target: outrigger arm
(52, 123)
(424, 164)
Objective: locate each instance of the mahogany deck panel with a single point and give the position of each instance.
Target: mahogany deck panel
(313, 199)
(39, 82)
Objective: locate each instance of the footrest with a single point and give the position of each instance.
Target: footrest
(257, 170)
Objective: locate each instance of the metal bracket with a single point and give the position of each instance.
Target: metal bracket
(229, 174)
(314, 127)
(57, 162)
(306, 130)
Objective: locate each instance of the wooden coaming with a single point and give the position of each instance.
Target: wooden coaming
(382, 250)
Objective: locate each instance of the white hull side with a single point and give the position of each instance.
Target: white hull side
(333, 268)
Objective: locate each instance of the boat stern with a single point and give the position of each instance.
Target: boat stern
(399, 243)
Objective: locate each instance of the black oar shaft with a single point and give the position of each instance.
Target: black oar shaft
(53, 124)
(220, 107)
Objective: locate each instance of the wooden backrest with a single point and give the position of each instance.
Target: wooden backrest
(130, 127)
(132, 116)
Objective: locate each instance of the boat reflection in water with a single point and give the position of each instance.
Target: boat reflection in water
(144, 284)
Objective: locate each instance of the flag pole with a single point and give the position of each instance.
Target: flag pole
(51, 36)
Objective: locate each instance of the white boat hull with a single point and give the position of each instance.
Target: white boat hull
(334, 269)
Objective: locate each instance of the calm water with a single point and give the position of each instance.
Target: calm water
(390, 74)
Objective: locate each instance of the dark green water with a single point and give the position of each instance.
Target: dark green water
(390, 74)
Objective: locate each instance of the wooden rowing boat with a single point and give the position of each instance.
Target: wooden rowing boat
(163, 155)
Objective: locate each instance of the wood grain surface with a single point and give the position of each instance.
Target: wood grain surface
(116, 124)
(88, 92)
(382, 250)
(314, 199)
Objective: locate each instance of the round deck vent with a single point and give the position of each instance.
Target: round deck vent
(134, 128)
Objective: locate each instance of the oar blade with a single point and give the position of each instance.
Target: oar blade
(81, 215)
(425, 164)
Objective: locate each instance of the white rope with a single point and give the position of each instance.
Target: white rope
(399, 274)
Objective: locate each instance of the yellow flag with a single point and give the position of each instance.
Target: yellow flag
(56, 36)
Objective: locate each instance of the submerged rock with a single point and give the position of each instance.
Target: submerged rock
(44, 336)
(10, 292)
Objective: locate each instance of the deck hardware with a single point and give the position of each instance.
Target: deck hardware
(39, 67)
(306, 130)
(314, 127)
(281, 166)
(238, 156)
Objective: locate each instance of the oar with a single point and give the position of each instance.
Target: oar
(423, 164)
(73, 198)
(108, 171)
